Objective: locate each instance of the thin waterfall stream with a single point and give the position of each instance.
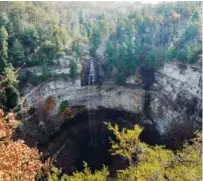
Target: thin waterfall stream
(90, 105)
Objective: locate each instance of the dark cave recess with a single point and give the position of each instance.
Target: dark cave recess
(73, 145)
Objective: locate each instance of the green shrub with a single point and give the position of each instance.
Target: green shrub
(63, 106)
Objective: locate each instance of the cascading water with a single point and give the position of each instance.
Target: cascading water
(90, 105)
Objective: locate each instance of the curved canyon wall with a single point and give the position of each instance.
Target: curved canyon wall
(175, 95)
(107, 95)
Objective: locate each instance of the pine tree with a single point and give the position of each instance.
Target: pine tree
(3, 48)
(16, 53)
(195, 17)
(12, 95)
(171, 52)
(81, 18)
(95, 40)
(73, 69)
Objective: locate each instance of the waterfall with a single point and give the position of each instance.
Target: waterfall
(90, 104)
(100, 73)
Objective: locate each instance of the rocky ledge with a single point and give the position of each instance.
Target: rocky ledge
(175, 97)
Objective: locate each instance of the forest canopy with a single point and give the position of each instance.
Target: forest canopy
(134, 35)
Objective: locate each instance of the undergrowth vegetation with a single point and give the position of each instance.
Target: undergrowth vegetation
(146, 162)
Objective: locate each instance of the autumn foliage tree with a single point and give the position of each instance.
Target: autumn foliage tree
(18, 162)
(46, 107)
(50, 103)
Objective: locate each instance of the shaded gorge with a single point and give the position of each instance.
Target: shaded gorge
(73, 144)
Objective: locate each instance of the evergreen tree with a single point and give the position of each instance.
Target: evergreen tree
(81, 18)
(195, 17)
(76, 48)
(95, 40)
(3, 48)
(73, 69)
(12, 95)
(16, 53)
(171, 52)
(191, 32)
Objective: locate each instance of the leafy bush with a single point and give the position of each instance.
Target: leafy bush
(64, 105)
(65, 110)
(85, 175)
(73, 69)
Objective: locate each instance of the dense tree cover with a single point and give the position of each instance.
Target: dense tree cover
(36, 33)
(153, 35)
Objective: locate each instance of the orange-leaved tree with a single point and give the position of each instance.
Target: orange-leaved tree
(18, 162)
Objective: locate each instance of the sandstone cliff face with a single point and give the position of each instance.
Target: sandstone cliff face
(108, 96)
(175, 96)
